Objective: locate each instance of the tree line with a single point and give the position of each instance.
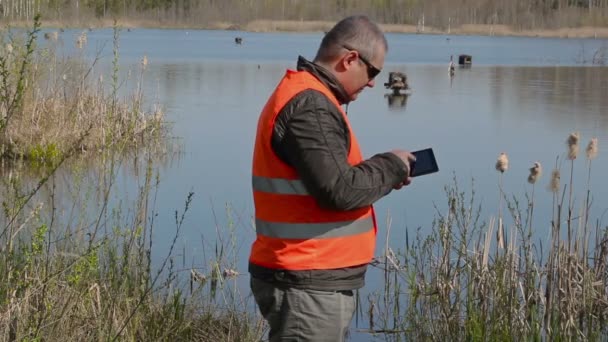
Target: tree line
(519, 14)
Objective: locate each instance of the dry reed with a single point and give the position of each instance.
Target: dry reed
(447, 285)
(82, 270)
(54, 101)
(502, 165)
(535, 173)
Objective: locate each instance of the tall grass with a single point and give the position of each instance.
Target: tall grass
(51, 105)
(453, 284)
(92, 277)
(76, 263)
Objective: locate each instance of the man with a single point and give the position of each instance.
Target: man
(313, 191)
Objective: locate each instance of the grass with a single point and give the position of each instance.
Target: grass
(464, 282)
(52, 106)
(94, 277)
(76, 264)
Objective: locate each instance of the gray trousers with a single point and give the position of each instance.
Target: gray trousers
(301, 315)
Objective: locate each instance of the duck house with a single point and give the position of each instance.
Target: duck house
(465, 60)
(397, 82)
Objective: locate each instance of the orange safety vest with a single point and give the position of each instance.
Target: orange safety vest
(293, 232)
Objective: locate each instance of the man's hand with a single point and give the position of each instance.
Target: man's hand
(408, 160)
(406, 157)
(407, 181)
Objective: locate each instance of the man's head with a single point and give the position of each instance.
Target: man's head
(353, 51)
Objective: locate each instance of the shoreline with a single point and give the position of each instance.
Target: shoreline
(261, 26)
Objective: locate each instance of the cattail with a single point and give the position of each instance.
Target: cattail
(230, 273)
(197, 276)
(535, 172)
(572, 142)
(82, 40)
(144, 62)
(9, 48)
(555, 178)
(502, 163)
(592, 149)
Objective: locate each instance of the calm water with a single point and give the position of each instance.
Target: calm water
(522, 96)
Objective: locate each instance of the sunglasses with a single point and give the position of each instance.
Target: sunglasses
(372, 71)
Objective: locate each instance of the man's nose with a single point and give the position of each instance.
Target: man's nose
(371, 82)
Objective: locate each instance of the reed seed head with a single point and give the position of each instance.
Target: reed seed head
(230, 273)
(535, 173)
(82, 40)
(197, 276)
(592, 149)
(555, 180)
(502, 163)
(572, 142)
(9, 48)
(144, 62)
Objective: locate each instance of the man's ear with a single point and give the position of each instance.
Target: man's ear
(349, 59)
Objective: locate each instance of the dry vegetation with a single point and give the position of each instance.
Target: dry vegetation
(562, 18)
(466, 29)
(72, 277)
(75, 265)
(493, 281)
(51, 106)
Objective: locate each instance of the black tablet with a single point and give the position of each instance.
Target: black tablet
(425, 163)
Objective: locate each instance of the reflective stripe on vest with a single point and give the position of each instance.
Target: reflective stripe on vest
(279, 185)
(313, 230)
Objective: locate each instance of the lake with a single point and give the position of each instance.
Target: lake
(522, 96)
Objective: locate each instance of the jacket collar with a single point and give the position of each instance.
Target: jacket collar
(325, 77)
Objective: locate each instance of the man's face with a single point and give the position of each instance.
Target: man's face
(361, 71)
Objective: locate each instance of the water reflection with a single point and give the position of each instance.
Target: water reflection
(557, 93)
(79, 190)
(396, 102)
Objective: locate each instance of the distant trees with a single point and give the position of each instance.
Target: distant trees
(524, 14)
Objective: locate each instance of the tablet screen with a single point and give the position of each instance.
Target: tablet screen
(425, 163)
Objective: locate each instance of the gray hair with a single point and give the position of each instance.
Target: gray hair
(357, 32)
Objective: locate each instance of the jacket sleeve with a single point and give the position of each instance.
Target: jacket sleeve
(316, 143)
